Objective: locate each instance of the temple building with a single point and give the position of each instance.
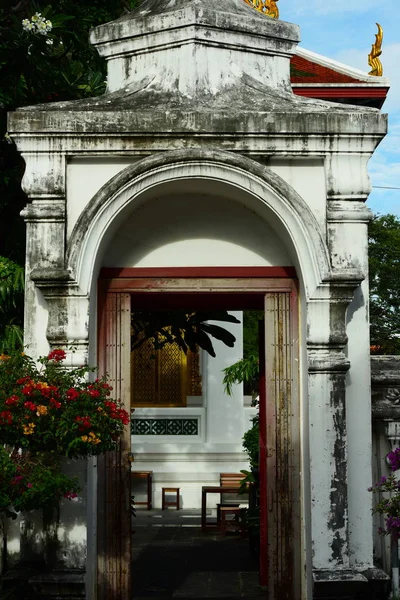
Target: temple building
(225, 168)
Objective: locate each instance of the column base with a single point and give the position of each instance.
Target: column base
(371, 584)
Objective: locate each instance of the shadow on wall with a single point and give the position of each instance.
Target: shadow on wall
(200, 230)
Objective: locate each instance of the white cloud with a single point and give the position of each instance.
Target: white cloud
(325, 7)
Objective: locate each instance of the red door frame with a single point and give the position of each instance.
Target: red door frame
(246, 287)
(263, 476)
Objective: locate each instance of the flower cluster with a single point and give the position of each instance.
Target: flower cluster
(48, 412)
(394, 459)
(37, 24)
(388, 505)
(47, 408)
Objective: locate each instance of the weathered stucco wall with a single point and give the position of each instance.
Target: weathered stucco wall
(291, 176)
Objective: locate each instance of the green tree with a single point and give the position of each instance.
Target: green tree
(45, 56)
(384, 281)
(11, 305)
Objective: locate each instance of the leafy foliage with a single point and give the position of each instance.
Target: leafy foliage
(244, 370)
(58, 64)
(384, 280)
(251, 443)
(36, 66)
(29, 482)
(186, 329)
(251, 321)
(11, 305)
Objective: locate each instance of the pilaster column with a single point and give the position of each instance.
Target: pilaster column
(328, 456)
(327, 368)
(45, 216)
(347, 235)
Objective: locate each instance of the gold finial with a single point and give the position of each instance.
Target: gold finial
(376, 51)
(267, 7)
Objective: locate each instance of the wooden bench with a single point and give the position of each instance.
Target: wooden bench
(229, 480)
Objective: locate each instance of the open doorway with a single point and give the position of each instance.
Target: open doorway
(187, 442)
(279, 500)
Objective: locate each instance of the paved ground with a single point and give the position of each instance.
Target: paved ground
(172, 558)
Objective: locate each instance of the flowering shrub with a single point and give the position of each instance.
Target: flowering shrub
(37, 24)
(389, 505)
(48, 411)
(29, 482)
(53, 409)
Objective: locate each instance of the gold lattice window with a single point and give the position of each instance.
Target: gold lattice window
(164, 377)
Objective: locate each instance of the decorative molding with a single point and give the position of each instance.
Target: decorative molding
(165, 427)
(385, 384)
(393, 433)
(393, 396)
(324, 360)
(376, 51)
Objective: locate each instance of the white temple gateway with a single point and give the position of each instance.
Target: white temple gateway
(201, 180)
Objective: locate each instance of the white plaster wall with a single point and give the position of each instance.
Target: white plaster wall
(307, 177)
(225, 414)
(358, 409)
(85, 176)
(177, 231)
(168, 69)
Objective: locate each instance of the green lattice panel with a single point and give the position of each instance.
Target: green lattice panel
(165, 427)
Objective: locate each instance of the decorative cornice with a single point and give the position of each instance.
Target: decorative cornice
(52, 277)
(45, 210)
(385, 383)
(325, 360)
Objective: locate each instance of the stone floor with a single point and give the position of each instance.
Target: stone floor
(172, 558)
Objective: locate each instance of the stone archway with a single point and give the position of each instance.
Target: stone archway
(325, 294)
(280, 473)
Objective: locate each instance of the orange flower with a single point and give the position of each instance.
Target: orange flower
(93, 439)
(42, 385)
(41, 410)
(29, 429)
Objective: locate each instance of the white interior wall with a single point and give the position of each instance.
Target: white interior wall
(191, 461)
(177, 231)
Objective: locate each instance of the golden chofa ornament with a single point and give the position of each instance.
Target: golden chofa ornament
(267, 7)
(376, 51)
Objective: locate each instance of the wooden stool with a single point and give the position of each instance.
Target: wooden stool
(148, 475)
(170, 490)
(231, 524)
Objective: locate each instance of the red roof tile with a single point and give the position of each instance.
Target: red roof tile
(305, 71)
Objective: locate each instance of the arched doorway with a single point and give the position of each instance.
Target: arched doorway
(280, 556)
(257, 196)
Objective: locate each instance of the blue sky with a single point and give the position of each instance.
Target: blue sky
(345, 30)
